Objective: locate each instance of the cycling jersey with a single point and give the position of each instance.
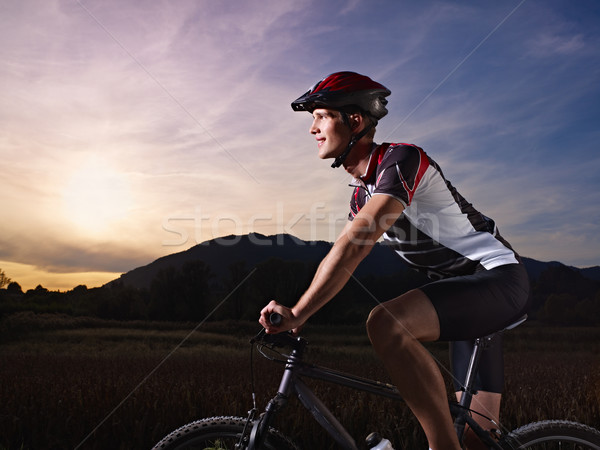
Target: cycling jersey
(439, 232)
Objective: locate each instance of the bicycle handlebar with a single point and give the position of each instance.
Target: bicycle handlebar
(286, 339)
(275, 319)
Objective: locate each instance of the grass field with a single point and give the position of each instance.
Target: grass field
(69, 383)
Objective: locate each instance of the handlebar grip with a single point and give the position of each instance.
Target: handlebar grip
(275, 319)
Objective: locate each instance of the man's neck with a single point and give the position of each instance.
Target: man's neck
(358, 161)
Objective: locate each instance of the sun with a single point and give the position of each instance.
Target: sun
(96, 196)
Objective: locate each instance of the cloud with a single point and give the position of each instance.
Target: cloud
(556, 34)
(548, 44)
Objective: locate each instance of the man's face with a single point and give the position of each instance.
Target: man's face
(332, 134)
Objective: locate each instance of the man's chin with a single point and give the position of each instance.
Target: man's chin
(325, 155)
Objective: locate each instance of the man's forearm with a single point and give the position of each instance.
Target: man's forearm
(331, 276)
(355, 242)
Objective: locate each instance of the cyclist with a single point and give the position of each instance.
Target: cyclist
(478, 282)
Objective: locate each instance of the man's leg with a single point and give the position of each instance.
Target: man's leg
(396, 329)
(489, 384)
(487, 404)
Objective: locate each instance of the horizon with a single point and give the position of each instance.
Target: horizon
(130, 133)
(256, 239)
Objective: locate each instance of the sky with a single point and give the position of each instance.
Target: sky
(130, 130)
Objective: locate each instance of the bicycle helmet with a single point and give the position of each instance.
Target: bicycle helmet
(346, 89)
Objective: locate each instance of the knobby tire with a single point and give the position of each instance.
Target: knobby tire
(551, 435)
(218, 433)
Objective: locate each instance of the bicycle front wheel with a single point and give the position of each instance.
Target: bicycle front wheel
(553, 434)
(218, 433)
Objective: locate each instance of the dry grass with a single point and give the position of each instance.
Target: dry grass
(96, 384)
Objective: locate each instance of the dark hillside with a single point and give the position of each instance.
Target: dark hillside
(219, 254)
(254, 249)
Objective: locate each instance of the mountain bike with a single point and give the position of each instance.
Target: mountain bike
(255, 432)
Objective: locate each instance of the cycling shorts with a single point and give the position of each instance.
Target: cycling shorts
(490, 376)
(476, 305)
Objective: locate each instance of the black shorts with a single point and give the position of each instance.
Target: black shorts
(489, 377)
(474, 306)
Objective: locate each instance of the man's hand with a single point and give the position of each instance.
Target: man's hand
(288, 320)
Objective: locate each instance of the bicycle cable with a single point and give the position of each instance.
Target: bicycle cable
(260, 347)
(252, 385)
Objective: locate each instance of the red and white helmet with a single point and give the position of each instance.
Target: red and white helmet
(342, 89)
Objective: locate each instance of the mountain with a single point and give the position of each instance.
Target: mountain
(536, 268)
(255, 248)
(593, 273)
(220, 253)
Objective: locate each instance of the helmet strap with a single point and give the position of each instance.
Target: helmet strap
(355, 138)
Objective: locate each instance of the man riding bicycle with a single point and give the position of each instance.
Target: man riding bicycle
(478, 283)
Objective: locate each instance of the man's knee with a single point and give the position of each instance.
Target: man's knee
(405, 319)
(383, 327)
(375, 321)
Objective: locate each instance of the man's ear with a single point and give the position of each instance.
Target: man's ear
(355, 120)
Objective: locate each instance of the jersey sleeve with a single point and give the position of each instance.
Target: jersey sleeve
(400, 172)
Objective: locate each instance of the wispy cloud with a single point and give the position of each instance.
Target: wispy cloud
(548, 45)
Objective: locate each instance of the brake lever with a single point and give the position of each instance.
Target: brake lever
(258, 336)
(275, 319)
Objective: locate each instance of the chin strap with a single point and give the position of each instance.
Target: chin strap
(357, 137)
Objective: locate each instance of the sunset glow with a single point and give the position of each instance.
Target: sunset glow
(96, 197)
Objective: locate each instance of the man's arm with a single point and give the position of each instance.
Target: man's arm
(352, 246)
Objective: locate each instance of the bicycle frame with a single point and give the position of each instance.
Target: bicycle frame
(292, 384)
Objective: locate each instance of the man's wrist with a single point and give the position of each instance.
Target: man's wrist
(298, 314)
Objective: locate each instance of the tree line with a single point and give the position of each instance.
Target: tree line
(559, 296)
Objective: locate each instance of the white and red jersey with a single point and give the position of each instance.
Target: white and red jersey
(439, 232)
